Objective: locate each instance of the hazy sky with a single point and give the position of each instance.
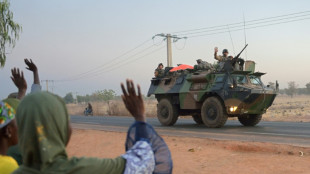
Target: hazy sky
(67, 38)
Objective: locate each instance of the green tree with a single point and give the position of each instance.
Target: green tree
(69, 98)
(105, 95)
(292, 88)
(308, 88)
(108, 94)
(9, 30)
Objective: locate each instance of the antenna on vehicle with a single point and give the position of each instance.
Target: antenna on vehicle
(245, 42)
(231, 40)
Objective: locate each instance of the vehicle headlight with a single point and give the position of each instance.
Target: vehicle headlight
(233, 108)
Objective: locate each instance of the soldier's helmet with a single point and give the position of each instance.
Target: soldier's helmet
(225, 51)
(199, 61)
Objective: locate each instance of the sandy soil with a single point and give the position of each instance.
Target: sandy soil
(195, 155)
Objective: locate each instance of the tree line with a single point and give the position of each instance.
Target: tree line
(100, 95)
(97, 96)
(293, 89)
(109, 94)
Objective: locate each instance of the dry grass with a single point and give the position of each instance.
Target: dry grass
(114, 107)
(284, 108)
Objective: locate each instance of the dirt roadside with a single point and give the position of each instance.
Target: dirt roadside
(195, 155)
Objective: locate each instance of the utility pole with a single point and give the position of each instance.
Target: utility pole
(169, 51)
(168, 37)
(46, 82)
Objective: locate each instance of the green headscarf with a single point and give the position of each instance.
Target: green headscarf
(43, 130)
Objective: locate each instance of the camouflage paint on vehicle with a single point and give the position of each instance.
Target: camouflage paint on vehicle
(188, 89)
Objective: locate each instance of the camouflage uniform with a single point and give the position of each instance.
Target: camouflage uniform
(159, 72)
(221, 61)
(203, 65)
(221, 58)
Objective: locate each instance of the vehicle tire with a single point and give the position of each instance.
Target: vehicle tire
(250, 119)
(167, 113)
(197, 118)
(213, 113)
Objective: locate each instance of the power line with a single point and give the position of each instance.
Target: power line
(231, 40)
(248, 24)
(246, 52)
(46, 82)
(193, 36)
(112, 64)
(113, 67)
(126, 63)
(107, 63)
(175, 45)
(219, 26)
(168, 38)
(103, 67)
(243, 27)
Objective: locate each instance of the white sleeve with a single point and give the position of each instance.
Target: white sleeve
(139, 159)
(36, 88)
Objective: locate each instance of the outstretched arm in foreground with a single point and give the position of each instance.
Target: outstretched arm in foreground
(133, 101)
(146, 151)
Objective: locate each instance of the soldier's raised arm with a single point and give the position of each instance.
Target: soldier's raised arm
(156, 73)
(215, 54)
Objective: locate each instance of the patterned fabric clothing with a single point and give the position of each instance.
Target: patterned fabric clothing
(7, 112)
(139, 159)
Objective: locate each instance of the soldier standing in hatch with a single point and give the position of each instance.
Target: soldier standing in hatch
(159, 71)
(221, 58)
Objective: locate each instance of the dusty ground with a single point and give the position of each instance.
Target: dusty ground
(194, 155)
(284, 108)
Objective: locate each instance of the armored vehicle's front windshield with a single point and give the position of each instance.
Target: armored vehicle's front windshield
(255, 80)
(240, 79)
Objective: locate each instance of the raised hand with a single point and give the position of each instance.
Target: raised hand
(133, 102)
(31, 66)
(216, 49)
(19, 81)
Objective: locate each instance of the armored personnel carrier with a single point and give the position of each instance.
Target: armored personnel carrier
(211, 95)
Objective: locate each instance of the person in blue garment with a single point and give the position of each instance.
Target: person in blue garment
(48, 123)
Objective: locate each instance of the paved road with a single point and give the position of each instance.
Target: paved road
(276, 132)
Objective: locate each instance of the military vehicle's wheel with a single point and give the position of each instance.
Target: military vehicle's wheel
(250, 119)
(167, 113)
(213, 113)
(197, 118)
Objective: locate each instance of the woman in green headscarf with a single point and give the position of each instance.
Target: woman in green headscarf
(44, 131)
